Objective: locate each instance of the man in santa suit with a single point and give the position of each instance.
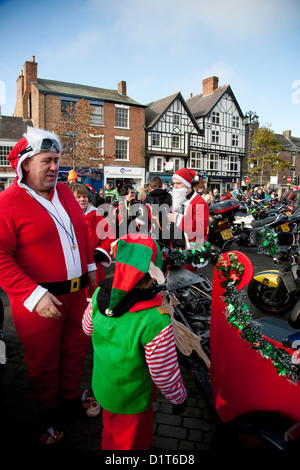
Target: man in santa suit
(190, 213)
(46, 263)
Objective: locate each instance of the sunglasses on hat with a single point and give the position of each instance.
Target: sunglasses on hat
(47, 145)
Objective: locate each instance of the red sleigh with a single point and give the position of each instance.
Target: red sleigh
(243, 380)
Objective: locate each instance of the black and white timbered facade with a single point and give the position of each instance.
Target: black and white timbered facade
(171, 130)
(219, 158)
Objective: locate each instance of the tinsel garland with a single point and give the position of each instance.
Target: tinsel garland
(267, 241)
(197, 256)
(238, 314)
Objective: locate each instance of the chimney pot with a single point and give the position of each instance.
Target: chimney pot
(33, 58)
(191, 95)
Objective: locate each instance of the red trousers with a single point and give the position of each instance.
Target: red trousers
(127, 432)
(55, 349)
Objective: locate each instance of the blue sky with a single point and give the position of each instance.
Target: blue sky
(161, 47)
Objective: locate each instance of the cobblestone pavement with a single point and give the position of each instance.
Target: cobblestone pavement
(193, 431)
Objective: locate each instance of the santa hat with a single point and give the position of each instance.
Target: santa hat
(185, 175)
(90, 188)
(31, 144)
(72, 175)
(135, 255)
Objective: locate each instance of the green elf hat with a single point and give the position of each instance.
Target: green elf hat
(135, 255)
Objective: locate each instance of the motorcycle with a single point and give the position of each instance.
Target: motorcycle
(277, 291)
(221, 217)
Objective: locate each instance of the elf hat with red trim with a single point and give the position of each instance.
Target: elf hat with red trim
(185, 175)
(33, 142)
(135, 256)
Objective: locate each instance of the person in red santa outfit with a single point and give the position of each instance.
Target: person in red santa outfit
(190, 213)
(101, 234)
(46, 263)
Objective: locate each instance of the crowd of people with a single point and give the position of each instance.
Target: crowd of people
(55, 244)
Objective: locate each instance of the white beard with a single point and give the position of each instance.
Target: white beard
(179, 197)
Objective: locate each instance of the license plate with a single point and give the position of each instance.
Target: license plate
(285, 227)
(289, 282)
(226, 234)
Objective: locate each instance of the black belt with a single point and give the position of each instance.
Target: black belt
(67, 287)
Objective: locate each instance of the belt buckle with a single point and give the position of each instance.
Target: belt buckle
(75, 284)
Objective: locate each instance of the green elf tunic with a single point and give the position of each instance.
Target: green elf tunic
(121, 379)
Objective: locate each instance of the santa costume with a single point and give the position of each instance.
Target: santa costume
(44, 247)
(191, 221)
(134, 346)
(101, 235)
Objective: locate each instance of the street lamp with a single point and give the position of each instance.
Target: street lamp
(250, 118)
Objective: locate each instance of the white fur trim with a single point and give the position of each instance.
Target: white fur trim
(183, 180)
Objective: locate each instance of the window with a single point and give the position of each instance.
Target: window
(195, 160)
(212, 161)
(235, 121)
(155, 139)
(176, 163)
(175, 142)
(158, 164)
(97, 115)
(215, 136)
(65, 104)
(215, 117)
(122, 116)
(233, 164)
(97, 144)
(235, 140)
(122, 149)
(176, 119)
(4, 151)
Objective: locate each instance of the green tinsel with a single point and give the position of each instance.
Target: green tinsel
(238, 314)
(197, 256)
(267, 241)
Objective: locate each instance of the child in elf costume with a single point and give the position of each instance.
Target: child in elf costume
(134, 346)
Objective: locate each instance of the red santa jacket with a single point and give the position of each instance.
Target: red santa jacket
(194, 221)
(38, 242)
(101, 236)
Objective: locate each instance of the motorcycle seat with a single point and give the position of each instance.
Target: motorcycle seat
(261, 223)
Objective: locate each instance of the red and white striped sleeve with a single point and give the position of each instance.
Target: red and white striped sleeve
(161, 357)
(87, 324)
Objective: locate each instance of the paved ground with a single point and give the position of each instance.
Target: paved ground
(192, 432)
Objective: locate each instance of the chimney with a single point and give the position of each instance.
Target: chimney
(209, 85)
(122, 88)
(30, 70)
(287, 134)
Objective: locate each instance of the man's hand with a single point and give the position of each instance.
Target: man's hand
(46, 306)
(172, 217)
(92, 278)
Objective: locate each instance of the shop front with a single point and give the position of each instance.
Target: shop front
(222, 183)
(119, 175)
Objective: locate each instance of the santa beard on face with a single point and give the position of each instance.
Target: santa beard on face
(178, 197)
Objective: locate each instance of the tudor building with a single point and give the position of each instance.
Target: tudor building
(219, 157)
(171, 133)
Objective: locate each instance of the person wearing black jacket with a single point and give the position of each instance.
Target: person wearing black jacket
(158, 203)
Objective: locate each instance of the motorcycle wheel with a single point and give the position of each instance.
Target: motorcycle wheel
(260, 296)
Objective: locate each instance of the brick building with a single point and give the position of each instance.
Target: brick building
(118, 119)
